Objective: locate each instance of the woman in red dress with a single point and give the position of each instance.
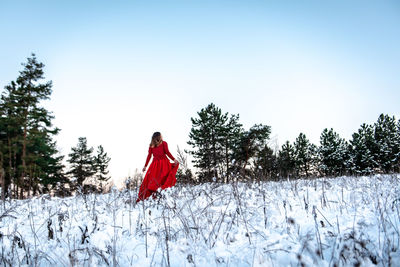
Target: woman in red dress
(161, 173)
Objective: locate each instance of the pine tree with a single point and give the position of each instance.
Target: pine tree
(387, 142)
(10, 133)
(252, 144)
(221, 147)
(44, 167)
(305, 153)
(286, 160)
(82, 161)
(27, 141)
(184, 175)
(363, 149)
(208, 140)
(29, 93)
(230, 137)
(3, 149)
(266, 163)
(101, 164)
(334, 153)
(397, 165)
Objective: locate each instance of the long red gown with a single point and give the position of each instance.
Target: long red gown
(161, 173)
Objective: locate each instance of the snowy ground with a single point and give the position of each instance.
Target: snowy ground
(326, 222)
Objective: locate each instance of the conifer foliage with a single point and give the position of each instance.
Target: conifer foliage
(85, 164)
(101, 165)
(286, 160)
(212, 135)
(304, 155)
(29, 157)
(266, 164)
(387, 143)
(252, 144)
(334, 152)
(30, 162)
(364, 150)
(223, 150)
(82, 161)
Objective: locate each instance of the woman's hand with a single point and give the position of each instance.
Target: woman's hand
(144, 169)
(175, 162)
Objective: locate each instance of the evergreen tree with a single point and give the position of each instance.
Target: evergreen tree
(220, 145)
(305, 153)
(208, 140)
(184, 175)
(387, 139)
(266, 163)
(82, 161)
(230, 137)
(251, 145)
(286, 160)
(334, 153)
(3, 149)
(101, 165)
(397, 168)
(45, 168)
(10, 133)
(29, 94)
(363, 148)
(28, 131)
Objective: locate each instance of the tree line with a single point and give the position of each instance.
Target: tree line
(224, 151)
(30, 162)
(221, 148)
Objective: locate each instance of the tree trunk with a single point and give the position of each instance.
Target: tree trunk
(306, 169)
(3, 182)
(2, 178)
(14, 173)
(227, 162)
(26, 112)
(8, 182)
(24, 153)
(21, 192)
(214, 156)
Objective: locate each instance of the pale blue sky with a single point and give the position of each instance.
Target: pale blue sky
(124, 69)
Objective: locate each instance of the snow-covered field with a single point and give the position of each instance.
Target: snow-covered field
(326, 222)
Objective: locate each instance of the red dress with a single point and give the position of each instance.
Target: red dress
(161, 173)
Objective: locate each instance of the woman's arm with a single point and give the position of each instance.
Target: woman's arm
(147, 159)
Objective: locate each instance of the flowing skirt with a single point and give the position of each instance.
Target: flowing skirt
(161, 174)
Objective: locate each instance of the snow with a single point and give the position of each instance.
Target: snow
(352, 219)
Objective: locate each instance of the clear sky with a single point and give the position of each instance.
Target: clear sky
(124, 69)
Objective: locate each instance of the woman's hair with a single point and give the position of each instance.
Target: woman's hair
(156, 139)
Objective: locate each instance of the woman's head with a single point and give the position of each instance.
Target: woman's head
(156, 139)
